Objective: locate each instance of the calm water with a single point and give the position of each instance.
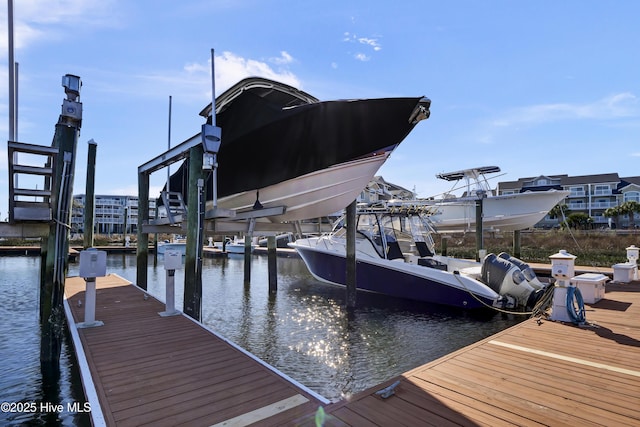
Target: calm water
(303, 330)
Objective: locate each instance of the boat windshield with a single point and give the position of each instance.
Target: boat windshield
(369, 227)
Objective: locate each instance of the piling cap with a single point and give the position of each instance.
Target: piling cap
(632, 247)
(562, 254)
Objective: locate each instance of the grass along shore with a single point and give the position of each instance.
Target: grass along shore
(597, 248)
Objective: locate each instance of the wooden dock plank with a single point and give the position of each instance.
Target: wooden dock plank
(166, 371)
(535, 373)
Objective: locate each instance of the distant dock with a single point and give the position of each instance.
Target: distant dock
(171, 370)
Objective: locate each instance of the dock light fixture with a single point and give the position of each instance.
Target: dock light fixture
(211, 140)
(71, 107)
(72, 85)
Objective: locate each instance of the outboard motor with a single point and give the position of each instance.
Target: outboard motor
(528, 272)
(505, 277)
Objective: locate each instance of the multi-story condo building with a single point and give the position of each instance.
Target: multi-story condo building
(590, 194)
(111, 214)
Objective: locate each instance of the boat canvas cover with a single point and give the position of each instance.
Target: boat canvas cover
(270, 136)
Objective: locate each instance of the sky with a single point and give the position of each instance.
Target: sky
(535, 87)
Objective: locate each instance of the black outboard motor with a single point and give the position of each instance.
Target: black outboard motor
(506, 278)
(526, 269)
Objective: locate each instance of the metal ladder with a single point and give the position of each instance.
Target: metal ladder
(39, 209)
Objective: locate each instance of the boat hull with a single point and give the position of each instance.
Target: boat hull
(273, 134)
(389, 280)
(179, 247)
(505, 212)
(313, 195)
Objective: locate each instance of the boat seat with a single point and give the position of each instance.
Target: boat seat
(393, 251)
(423, 249)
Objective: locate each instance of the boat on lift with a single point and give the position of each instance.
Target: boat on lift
(505, 212)
(395, 255)
(283, 147)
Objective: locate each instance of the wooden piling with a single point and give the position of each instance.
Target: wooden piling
(272, 264)
(57, 259)
(516, 244)
(142, 245)
(479, 241)
(351, 255)
(89, 198)
(247, 257)
(195, 231)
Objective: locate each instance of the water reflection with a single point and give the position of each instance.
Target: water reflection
(24, 380)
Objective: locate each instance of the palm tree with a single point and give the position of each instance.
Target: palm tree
(560, 212)
(613, 212)
(630, 208)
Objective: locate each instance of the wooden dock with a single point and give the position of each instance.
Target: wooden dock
(169, 371)
(144, 369)
(533, 374)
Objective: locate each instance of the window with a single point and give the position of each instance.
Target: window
(576, 191)
(632, 196)
(601, 190)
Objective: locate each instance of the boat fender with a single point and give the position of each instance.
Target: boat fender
(576, 314)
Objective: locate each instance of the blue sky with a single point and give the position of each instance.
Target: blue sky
(544, 87)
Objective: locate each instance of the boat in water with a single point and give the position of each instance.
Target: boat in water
(283, 147)
(179, 246)
(395, 255)
(505, 212)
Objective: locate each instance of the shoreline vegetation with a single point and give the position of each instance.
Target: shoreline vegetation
(597, 248)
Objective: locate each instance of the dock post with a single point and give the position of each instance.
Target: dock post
(247, 258)
(479, 241)
(247, 251)
(142, 248)
(272, 264)
(89, 199)
(195, 231)
(351, 255)
(443, 244)
(516, 244)
(57, 262)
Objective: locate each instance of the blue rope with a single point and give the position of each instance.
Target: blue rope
(578, 315)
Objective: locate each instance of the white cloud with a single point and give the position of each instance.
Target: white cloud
(621, 105)
(368, 41)
(36, 20)
(283, 59)
(371, 42)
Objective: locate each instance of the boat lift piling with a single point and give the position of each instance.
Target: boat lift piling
(272, 264)
(479, 238)
(351, 255)
(89, 198)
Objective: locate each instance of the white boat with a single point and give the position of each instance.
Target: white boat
(285, 148)
(312, 195)
(395, 256)
(507, 212)
(172, 246)
(236, 246)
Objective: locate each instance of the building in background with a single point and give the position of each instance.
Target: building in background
(112, 214)
(589, 194)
